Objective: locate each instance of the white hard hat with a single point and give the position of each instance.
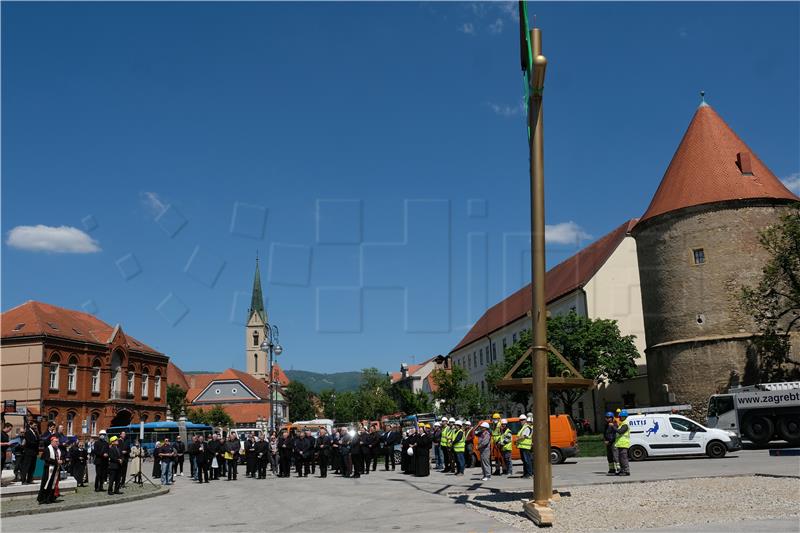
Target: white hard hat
(436, 424)
(523, 417)
(102, 431)
(459, 423)
(485, 425)
(504, 421)
(452, 419)
(530, 415)
(467, 423)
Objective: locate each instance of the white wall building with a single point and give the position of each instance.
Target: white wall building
(600, 281)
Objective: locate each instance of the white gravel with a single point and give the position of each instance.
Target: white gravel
(654, 504)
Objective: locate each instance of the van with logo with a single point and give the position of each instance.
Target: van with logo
(664, 434)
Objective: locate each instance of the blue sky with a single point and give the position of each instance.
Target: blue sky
(373, 154)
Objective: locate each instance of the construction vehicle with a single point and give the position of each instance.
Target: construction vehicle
(759, 413)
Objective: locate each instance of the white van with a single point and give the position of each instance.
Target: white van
(669, 434)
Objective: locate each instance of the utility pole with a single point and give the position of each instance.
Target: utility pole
(534, 65)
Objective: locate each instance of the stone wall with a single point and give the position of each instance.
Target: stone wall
(695, 307)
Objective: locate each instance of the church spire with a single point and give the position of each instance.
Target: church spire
(257, 301)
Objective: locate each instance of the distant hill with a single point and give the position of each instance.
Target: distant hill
(316, 382)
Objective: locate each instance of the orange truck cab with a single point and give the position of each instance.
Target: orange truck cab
(563, 439)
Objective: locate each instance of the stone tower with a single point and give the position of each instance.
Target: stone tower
(697, 244)
(256, 331)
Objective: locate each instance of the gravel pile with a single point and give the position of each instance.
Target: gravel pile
(654, 504)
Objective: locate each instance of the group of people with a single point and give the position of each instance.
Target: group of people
(344, 451)
(617, 438)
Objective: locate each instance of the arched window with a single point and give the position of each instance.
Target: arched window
(52, 415)
(54, 372)
(157, 386)
(255, 363)
(72, 374)
(157, 418)
(131, 380)
(255, 338)
(95, 377)
(93, 423)
(145, 382)
(144, 418)
(70, 423)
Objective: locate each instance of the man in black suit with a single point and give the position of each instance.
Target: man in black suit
(30, 451)
(100, 453)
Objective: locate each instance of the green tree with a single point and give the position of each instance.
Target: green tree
(774, 303)
(327, 398)
(455, 395)
(594, 346)
(214, 417)
(409, 402)
(176, 400)
(374, 398)
(299, 400)
(345, 407)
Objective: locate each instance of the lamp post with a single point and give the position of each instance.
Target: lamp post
(272, 346)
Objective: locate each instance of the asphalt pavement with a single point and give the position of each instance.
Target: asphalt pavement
(382, 501)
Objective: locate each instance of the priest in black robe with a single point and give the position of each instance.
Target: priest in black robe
(422, 452)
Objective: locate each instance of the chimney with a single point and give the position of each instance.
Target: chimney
(404, 370)
(744, 163)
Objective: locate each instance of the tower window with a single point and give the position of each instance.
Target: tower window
(699, 256)
(255, 338)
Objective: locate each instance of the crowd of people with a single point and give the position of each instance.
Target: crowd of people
(447, 443)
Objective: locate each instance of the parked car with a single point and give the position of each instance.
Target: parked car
(664, 434)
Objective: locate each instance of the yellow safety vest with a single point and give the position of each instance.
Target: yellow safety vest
(507, 446)
(446, 437)
(458, 447)
(496, 433)
(525, 442)
(624, 440)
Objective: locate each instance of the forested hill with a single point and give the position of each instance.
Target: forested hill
(317, 382)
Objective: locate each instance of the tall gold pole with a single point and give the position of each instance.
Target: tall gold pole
(538, 509)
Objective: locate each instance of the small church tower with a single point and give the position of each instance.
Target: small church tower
(256, 331)
(698, 244)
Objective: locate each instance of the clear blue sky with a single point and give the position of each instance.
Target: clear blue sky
(374, 154)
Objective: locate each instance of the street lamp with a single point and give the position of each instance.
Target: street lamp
(272, 346)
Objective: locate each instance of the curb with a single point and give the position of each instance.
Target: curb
(84, 505)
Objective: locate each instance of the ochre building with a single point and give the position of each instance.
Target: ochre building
(71, 367)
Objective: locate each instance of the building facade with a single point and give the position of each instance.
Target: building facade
(698, 245)
(600, 281)
(72, 368)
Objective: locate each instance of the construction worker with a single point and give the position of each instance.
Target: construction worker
(524, 443)
(507, 443)
(496, 442)
(621, 444)
(447, 449)
(459, 442)
(609, 436)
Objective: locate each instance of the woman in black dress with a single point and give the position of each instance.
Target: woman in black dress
(422, 452)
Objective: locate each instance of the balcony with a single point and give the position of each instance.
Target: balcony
(120, 396)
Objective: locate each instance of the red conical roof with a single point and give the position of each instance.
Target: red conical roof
(707, 167)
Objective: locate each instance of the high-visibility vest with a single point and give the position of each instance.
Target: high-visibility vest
(525, 442)
(624, 439)
(458, 447)
(446, 442)
(507, 435)
(496, 434)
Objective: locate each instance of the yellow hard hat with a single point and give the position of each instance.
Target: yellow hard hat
(112, 439)
(496, 415)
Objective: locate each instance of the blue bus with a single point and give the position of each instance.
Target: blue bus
(156, 431)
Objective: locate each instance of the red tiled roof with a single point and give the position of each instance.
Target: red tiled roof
(199, 382)
(560, 280)
(241, 413)
(279, 375)
(175, 376)
(705, 169)
(38, 318)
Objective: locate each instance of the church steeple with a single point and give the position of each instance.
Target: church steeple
(257, 300)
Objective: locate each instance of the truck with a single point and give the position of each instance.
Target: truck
(759, 413)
